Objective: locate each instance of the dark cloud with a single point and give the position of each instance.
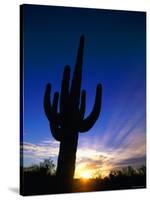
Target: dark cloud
(132, 161)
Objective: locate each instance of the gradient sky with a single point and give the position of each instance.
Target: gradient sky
(115, 56)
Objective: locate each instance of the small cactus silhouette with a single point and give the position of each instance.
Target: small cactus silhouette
(68, 120)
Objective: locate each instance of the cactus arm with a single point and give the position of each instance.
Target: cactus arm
(79, 60)
(55, 120)
(50, 109)
(47, 103)
(82, 105)
(77, 76)
(87, 123)
(64, 94)
(55, 103)
(51, 112)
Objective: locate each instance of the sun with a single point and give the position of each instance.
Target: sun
(86, 175)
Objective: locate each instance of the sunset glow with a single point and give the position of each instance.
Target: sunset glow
(86, 175)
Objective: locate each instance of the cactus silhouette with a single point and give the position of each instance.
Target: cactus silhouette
(68, 120)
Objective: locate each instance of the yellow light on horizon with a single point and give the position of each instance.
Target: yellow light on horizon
(89, 173)
(86, 175)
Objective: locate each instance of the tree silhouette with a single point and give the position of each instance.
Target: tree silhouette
(68, 120)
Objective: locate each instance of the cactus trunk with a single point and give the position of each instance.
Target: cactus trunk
(67, 158)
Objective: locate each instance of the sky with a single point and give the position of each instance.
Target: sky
(114, 55)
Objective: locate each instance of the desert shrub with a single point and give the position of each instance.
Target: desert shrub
(47, 167)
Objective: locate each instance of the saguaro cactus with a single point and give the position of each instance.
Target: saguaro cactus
(68, 120)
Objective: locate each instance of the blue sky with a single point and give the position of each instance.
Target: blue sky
(114, 55)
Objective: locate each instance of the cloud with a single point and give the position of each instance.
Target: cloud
(93, 161)
(45, 149)
(130, 161)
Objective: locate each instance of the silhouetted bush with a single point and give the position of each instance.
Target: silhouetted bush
(47, 167)
(128, 172)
